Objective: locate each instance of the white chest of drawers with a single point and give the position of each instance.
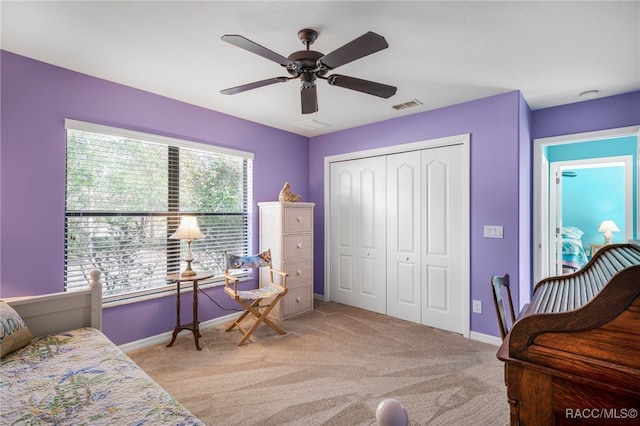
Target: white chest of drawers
(287, 229)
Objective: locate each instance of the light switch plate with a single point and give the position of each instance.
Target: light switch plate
(491, 231)
(477, 306)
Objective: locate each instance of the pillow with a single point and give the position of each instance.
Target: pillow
(572, 233)
(14, 333)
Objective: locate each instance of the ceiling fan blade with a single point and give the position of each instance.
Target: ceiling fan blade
(254, 85)
(362, 46)
(364, 86)
(246, 44)
(309, 97)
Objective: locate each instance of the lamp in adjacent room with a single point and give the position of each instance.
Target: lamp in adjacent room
(608, 226)
(188, 231)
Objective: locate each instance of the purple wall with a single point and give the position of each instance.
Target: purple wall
(494, 127)
(36, 99)
(502, 129)
(598, 114)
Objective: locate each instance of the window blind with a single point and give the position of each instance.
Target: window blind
(125, 193)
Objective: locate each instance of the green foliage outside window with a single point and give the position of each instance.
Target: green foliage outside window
(124, 198)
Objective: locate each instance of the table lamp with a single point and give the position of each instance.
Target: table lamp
(608, 226)
(188, 231)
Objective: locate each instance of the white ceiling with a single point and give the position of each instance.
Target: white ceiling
(440, 53)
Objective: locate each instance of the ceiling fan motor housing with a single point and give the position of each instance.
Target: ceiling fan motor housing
(305, 61)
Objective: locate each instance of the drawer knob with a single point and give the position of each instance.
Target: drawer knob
(299, 245)
(299, 272)
(299, 219)
(298, 299)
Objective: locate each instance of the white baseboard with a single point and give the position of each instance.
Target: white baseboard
(473, 335)
(485, 338)
(166, 337)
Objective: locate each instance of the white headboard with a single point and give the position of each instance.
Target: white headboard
(55, 312)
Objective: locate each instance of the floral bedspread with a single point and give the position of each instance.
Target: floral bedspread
(80, 377)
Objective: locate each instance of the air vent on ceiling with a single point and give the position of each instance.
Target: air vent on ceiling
(311, 125)
(410, 104)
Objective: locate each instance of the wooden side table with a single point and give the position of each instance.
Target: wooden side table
(194, 325)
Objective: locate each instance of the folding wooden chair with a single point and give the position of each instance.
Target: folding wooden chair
(253, 300)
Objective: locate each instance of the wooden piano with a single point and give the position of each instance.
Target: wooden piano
(573, 356)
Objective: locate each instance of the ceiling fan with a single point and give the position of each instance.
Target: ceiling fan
(307, 65)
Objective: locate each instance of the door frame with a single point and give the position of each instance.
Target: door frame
(555, 210)
(461, 139)
(541, 222)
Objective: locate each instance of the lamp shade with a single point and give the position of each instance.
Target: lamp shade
(188, 229)
(608, 225)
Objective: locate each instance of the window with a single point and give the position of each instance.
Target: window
(125, 193)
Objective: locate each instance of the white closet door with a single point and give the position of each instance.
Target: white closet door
(358, 254)
(443, 257)
(403, 236)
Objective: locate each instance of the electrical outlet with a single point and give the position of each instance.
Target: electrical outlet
(477, 306)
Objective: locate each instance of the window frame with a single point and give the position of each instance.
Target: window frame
(169, 288)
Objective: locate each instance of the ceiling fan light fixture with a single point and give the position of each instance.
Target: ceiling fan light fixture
(307, 79)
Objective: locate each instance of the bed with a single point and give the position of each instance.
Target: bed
(69, 372)
(574, 256)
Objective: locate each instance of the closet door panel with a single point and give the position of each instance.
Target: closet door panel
(437, 207)
(342, 206)
(345, 274)
(358, 268)
(443, 177)
(369, 279)
(366, 213)
(438, 288)
(403, 236)
(406, 292)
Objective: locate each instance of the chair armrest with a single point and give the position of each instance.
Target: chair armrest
(228, 277)
(283, 278)
(281, 273)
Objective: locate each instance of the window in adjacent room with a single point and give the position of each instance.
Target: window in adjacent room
(125, 193)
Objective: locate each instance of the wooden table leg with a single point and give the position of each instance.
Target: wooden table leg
(176, 330)
(196, 324)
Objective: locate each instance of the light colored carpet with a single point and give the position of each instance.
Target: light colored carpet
(333, 367)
